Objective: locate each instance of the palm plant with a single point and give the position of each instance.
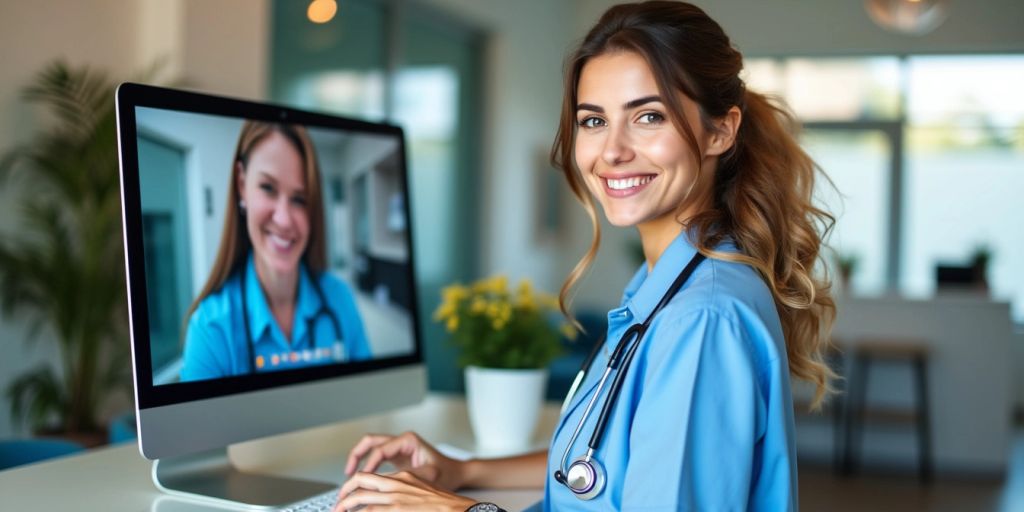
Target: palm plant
(64, 268)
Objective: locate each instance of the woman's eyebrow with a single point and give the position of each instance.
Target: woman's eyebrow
(627, 106)
(641, 101)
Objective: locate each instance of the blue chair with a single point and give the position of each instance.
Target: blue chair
(562, 371)
(16, 452)
(122, 428)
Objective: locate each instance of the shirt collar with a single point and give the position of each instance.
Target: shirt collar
(260, 316)
(646, 289)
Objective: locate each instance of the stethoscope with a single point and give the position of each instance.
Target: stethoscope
(586, 476)
(310, 322)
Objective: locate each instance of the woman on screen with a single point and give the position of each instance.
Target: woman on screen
(269, 303)
(686, 404)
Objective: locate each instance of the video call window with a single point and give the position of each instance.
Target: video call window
(239, 216)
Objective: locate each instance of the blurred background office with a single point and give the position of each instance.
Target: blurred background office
(913, 108)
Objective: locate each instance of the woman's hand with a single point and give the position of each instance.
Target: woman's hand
(408, 453)
(400, 491)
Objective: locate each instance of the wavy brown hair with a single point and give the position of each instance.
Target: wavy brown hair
(234, 239)
(762, 187)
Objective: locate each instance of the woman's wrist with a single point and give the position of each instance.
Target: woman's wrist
(469, 473)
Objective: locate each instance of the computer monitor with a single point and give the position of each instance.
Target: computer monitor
(271, 282)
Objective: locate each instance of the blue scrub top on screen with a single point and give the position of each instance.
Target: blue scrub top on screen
(705, 416)
(215, 340)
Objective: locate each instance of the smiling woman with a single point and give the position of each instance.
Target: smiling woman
(693, 375)
(271, 266)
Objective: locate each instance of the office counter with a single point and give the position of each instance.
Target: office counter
(117, 478)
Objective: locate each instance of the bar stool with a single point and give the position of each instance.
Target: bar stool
(892, 350)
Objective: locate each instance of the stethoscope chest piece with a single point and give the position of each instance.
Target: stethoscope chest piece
(586, 478)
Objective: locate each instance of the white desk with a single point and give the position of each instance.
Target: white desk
(118, 478)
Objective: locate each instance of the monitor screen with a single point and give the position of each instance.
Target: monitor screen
(266, 247)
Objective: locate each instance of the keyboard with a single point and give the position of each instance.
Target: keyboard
(321, 503)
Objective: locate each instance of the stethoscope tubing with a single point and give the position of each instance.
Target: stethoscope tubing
(324, 310)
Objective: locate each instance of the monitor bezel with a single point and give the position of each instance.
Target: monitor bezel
(129, 97)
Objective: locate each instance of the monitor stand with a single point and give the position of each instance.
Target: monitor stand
(210, 476)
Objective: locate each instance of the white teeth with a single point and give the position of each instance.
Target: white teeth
(627, 183)
(282, 243)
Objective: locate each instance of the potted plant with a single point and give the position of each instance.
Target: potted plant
(506, 340)
(980, 259)
(847, 265)
(64, 268)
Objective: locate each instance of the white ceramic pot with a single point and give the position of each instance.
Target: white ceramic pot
(503, 408)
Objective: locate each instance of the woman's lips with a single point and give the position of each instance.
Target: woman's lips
(626, 186)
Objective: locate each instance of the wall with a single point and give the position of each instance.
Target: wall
(222, 45)
(525, 44)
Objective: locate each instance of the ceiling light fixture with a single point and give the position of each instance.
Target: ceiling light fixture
(321, 11)
(916, 17)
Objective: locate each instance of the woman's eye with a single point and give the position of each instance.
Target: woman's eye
(299, 201)
(267, 187)
(591, 122)
(651, 118)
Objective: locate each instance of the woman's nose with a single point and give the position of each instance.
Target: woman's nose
(282, 214)
(617, 147)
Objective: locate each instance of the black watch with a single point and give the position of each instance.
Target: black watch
(485, 507)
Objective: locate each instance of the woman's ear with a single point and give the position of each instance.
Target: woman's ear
(724, 134)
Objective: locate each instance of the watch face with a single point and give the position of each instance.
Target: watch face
(485, 507)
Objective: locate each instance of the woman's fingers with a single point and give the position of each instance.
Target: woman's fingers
(368, 499)
(366, 481)
(400, 491)
(387, 451)
(367, 443)
(371, 489)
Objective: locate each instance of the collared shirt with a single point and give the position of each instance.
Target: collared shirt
(704, 419)
(216, 342)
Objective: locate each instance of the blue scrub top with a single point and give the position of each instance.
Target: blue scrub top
(705, 416)
(215, 340)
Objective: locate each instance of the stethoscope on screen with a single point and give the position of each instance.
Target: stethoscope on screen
(586, 476)
(311, 322)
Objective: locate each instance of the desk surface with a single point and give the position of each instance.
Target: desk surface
(117, 478)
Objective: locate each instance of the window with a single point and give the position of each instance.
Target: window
(965, 171)
(929, 149)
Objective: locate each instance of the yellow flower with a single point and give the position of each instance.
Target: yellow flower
(498, 324)
(453, 294)
(444, 311)
(493, 309)
(478, 305)
(526, 303)
(453, 323)
(495, 285)
(525, 288)
(499, 284)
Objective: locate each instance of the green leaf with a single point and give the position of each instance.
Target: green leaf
(36, 394)
(63, 270)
